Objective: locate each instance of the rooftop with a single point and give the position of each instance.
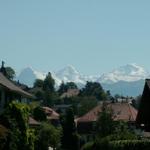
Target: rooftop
(12, 87)
(121, 111)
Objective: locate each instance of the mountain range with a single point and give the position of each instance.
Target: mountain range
(126, 80)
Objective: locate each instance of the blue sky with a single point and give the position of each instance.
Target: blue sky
(95, 36)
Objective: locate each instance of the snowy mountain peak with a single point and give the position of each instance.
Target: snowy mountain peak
(124, 80)
(68, 70)
(129, 73)
(68, 74)
(28, 76)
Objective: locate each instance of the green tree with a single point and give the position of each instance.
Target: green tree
(49, 98)
(48, 136)
(39, 114)
(105, 123)
(71, 85)
(10, 73)
(39, 94)
(49, 83)
(94, 89)
(64, 87)
(15, 118)
(49, 90)
(38, 83)
(70, 138)
(86, 104)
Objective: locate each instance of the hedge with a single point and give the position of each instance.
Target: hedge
(119, 145)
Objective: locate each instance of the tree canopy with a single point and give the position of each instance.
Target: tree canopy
(70, 138)
(64, 87)
(10, 73)
(94, 89)
(38, 83)
(49, 83)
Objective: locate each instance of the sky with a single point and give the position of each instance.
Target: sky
(94, 36)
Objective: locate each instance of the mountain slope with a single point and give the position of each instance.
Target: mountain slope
(124, 88)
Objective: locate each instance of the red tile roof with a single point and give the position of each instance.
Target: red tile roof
(121, 111)
(70, 93)
(51, 114)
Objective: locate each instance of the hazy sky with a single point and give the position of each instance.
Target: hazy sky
(95, 36)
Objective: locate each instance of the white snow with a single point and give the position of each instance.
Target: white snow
(129, 73)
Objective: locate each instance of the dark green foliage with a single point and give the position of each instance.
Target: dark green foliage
(70, 138)
(49, 83)
(118, 145)
(15, 118)
(71, 85)
(62, 88)
(39, 94)
(86, 104)
(88, 146)
(10, 73)
(3, 136)
(39, 114)
(48, 136)
(38, 83)
(50, 94)
(49, 98)
(105, 123)
(94, 89)
(65, 87)
(111, 133)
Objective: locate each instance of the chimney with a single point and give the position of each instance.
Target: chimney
(2, 69)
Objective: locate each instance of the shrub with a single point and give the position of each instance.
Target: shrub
(104, 144)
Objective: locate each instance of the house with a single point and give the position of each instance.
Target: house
(121, 111)
(70, 93)
(9, 91)
(62, 108)
(143, 116)
(33, 123)
(51, 115)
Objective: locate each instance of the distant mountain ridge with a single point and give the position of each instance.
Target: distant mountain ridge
(125, 80)
(128, 73)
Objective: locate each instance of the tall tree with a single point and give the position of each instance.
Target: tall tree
(105, 124)
(38, 83)
(70, 138)
(94, 89)
(49, 83)
(49, 90)
(62, 88)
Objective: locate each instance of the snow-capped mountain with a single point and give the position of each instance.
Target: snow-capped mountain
(28, 76)
(125, 80)
(68, 74)
(128, 73)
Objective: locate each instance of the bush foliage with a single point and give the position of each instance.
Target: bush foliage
(119, 145)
